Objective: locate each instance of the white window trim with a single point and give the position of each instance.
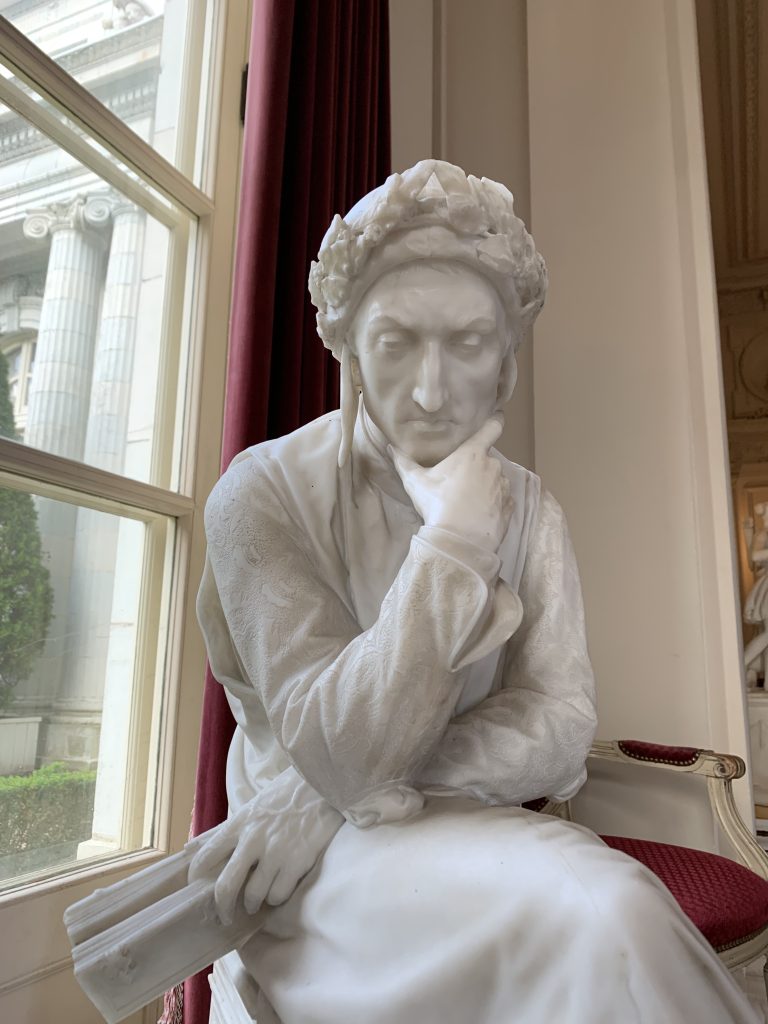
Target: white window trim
(47, 79)
(37, 911)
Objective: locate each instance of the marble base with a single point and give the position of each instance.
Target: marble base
(234, 993)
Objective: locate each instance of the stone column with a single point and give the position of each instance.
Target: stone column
(56, 422)
(107, 561)
(92, 576)
(107, 427)
(61, 379)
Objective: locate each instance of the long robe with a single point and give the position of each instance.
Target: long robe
(426, 688)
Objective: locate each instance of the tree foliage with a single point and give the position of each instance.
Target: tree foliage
(26, 597)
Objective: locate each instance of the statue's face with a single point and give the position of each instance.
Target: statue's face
(429, 339)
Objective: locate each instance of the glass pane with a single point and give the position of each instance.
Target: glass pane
(72, 588)
(128, 53)
(14, 363)
(83, 292)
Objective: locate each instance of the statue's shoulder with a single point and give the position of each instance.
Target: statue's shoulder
(293, 470)
(513, 471)
(306, 456)
(524, 481)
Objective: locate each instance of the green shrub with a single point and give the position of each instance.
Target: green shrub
(26, 596)
(48, 807)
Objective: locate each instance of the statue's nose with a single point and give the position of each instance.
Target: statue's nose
(429, 392)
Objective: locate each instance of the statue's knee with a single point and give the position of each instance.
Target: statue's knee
(633, 901)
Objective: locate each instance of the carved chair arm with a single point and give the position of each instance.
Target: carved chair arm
(694, 760)
(719, 770)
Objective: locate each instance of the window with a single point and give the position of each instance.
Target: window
(119, 138)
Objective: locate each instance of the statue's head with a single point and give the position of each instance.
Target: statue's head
(424, 292)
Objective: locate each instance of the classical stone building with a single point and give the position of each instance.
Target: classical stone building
(81, 296)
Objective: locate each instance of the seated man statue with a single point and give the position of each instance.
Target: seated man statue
(394, 610)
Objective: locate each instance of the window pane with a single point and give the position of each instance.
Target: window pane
(14, 362)
(128, 53)
(83, 284)
(74, 726)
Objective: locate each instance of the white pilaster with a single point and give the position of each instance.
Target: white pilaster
(234, 993)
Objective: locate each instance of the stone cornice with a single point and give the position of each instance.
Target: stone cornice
(128, 99)
(121, 40)
(118, 43)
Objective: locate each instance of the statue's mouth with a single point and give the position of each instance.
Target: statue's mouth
(431, 425)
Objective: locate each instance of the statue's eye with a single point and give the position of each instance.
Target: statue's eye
(393, 342)
(466, 342)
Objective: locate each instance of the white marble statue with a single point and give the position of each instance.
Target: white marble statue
(756, 605)
(394, 611)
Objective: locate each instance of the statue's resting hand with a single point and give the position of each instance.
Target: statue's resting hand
(466, 494)
(278, 836)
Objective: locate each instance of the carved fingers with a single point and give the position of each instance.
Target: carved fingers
(467, 493)
(250, 854)
(254, 850)
(486, 437)
(220, 846)
(230, 854)
(264, 850)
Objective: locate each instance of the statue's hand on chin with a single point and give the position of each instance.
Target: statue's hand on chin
(266, 848)
(466, 494)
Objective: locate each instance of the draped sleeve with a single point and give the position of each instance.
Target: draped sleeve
(356, 711)
(532, 738)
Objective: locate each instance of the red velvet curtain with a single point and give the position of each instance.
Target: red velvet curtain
(316, 138)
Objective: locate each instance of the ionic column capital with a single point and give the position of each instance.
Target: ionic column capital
(92, 213)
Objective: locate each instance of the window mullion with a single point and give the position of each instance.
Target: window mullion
(30, 468)
(147, 689)
(44, 75)
(169, 386)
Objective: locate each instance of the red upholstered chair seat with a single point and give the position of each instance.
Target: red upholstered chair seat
(727, 902)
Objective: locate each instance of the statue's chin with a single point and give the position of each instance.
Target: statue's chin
(430, 458)
(429, 448)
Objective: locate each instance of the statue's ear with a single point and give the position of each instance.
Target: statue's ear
(507, 377)
(353, 367)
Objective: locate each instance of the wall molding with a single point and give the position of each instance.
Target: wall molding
(39, 974)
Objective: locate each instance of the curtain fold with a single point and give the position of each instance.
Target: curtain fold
(316, 138)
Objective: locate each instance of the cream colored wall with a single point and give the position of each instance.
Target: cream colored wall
(629, 418)
(459, 92)
(411, 80)
(628, 408)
